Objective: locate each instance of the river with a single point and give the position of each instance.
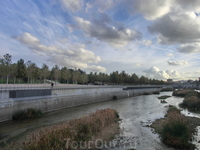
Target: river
(135, 113)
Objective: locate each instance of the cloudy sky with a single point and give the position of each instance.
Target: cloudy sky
(155, 38)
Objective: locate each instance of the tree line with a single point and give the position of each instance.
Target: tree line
(29, 72)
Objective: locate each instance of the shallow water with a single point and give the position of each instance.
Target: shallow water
(135, 112)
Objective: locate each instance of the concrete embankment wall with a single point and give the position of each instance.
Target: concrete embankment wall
(65, 98)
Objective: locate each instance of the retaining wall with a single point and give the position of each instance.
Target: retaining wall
(65, 98)
(74, 91)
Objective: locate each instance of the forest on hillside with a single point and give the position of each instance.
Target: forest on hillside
(29, 72)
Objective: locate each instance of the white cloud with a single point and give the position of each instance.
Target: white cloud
(28, 39)
(117, 37)
(97, 68)
(73, 5)
(177, 63)
(147, 42)
(138, 64)
(189, 48)
(152, 70)
(170, 55)
(153, 10)
(156, 73)
(73, 56)
(63, 41)
(197, 72)
(102, 5)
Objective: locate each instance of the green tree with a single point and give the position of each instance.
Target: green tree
(134, 79)
(114, 77)
(36, 73)
(65, 74)
(83, 78)
(44, 72)
(30, 69)
(123, 77)
(55, 73)
(21, 69)
(143, 80)
(75, 76)
(14, 71)
(5, 65)
(91, 77)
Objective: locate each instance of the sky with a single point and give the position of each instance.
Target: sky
(159, 39)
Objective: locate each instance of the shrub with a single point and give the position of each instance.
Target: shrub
(175, 130)
(164, 97)
(26, 114)
(163, 101)
(192, 103)
(176, 134)
(191, 99)
(172, 109)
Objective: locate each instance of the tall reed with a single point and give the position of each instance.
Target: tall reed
(79, 130)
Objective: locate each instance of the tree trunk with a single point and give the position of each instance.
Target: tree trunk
(7, 80)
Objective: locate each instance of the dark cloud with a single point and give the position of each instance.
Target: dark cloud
(177, 28)
(189, 48)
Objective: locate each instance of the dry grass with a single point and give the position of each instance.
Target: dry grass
(183, 92)
(191, 99)
(82, 129)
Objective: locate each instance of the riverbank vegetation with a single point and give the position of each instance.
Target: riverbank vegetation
(87, 128)
(191, 99)
(176, 130)
(27, 114)
(185, 93)
(167, 89)
(164, 97)
(29, 72)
